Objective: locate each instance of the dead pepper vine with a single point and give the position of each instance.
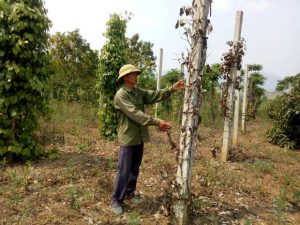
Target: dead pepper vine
(230, 60)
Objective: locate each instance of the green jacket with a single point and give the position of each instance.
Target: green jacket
(132, 120)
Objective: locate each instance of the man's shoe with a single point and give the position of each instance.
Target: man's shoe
(116, 208)
(135, 198)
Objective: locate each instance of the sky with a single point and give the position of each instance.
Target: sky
(270, 27)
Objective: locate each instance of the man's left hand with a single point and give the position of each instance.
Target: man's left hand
(178, 86)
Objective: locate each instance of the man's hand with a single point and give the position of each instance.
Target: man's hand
(178, 86)
(164, 126)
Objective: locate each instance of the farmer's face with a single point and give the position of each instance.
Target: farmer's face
(131, 79)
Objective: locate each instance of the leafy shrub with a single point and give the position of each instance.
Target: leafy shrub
(284, 111)
(24, 71)
(113, 55)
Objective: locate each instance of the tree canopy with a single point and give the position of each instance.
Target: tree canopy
(75, 65)
(256, 92)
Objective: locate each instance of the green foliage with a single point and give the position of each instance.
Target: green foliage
(286, 83)
(263, 110)
(211, 97)
(24, 71)
(113, 56)
(284, 112)
(140, 53)
(147, 80)
(75, 65)
(172, 108)
(256, 92)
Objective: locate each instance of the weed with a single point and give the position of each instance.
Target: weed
(200, 204)
(88, 194)
(70, 169)
(13, 189)
(217, 175)
(296, 196)
(84, 147)
(279, 208)
(261, 166)
(134, 218)
(73, 197)
(247, 222)
(112, 163)
(25, 175)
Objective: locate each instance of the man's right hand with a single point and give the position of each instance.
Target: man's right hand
(164, 126)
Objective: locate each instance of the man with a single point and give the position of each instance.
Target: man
(133, 125)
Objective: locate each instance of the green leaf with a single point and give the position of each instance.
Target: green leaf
(13, 114)
(16, 50)
(16, 68)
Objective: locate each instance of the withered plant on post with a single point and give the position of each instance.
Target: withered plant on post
(231, 62)
(195, 30)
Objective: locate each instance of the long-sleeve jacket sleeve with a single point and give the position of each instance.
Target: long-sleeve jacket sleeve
(123, 103)
(151, 97)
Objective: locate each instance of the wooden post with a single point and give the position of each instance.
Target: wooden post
(190, 115)
(158, 77)
(236, 111)
(227, 134)
(245, 102)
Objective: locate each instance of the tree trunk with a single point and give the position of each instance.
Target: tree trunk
(190, 115)
(227, 134)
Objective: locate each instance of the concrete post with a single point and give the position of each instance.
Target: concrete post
(158, 77)
(245, 102)
(190, 116)
(227, 134)
(236, 112)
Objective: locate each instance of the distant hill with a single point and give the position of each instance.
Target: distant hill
(271, 81)
(272, 94)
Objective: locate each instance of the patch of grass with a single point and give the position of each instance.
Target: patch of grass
(134, 218)
(18, 182)
(260, 166)
(85, 147)
(73, 115)
(291, 189)
(216, 174)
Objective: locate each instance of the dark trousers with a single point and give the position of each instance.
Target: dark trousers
(130, 158)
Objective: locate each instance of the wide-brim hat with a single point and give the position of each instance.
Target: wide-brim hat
(127, 69)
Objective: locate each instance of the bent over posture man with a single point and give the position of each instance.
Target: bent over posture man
(129, 102)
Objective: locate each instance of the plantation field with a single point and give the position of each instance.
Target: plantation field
(73, 184)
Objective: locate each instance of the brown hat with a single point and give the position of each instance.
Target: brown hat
(127, 69)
